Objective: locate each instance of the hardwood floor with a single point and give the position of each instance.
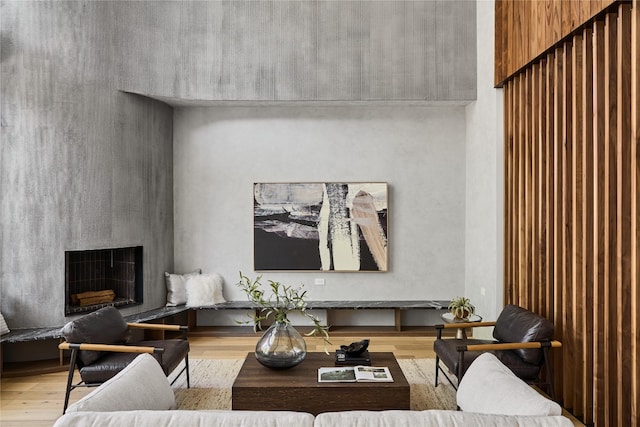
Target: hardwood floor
(37, 400)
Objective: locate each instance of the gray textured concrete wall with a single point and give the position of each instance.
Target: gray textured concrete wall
(300, 50)
(83, 165)
(86, 166)
(419, 151)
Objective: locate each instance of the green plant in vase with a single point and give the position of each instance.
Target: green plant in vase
(281, 345)
(461, 308)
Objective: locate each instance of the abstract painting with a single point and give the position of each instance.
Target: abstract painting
(330, 226)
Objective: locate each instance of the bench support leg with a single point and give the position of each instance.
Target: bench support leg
(398, 319)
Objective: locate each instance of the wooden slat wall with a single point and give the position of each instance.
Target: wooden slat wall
(527, 29)
(572, 169)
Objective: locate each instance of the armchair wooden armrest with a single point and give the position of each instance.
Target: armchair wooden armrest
(509, 346)
(465, 325)
(461, 325)
(161, 327)
(158, 326)
(110, 347)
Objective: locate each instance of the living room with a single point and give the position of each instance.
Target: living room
(146, 124)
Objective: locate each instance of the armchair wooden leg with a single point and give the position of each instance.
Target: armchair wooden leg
(72, 368)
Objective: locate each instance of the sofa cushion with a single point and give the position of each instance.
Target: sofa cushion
(140, 385)
(489, 387)
(432, 418)
(104, 326)
(176, 291)
(187, 418)
(204, 289)
(515, 324)
(109, 366)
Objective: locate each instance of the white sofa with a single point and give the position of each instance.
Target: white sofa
(140, 395)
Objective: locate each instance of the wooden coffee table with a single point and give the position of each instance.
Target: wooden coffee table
(297, 389)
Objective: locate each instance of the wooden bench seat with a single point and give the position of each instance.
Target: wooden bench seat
(397, 305)
(36, 334)
(54, 333)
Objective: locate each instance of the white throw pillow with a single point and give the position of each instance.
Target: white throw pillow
(489, 387)
(4, 329)
(204, 289)
(141, 385)
(176, 291)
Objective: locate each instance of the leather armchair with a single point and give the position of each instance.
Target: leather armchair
(100, 347)
(522, 342)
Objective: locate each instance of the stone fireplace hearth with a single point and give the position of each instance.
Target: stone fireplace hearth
(97, 278)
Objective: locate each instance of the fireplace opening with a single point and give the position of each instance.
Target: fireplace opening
(102, 277)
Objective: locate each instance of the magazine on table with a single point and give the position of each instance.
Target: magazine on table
(341, 374)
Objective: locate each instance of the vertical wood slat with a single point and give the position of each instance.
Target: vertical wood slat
(635, 211)
(549, 176)
(623, 184)
(517, 199)
(508, 189)
(599, 241)
(523, 282)
(515, 187)
(532, 190)
(571, 211)
(558, 226)
(585, 294)
(520, 276)
(541, 156)
(567, 197)
(609, 202)
(577, 146)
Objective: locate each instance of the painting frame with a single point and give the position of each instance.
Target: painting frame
(321, 226)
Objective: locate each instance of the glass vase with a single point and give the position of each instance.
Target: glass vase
(281, 347)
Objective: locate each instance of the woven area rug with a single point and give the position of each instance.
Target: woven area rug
(212, 379)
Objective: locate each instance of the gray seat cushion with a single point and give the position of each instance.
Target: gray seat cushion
(111, 363)
(449, 355)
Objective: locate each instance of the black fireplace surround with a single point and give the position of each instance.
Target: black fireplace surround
(114, 269)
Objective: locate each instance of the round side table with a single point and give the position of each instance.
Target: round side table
(461, 333)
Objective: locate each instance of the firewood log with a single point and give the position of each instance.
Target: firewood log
(93, 297)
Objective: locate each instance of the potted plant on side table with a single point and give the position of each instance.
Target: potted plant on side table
(461, 311)
(281, 346)
(461, 308)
